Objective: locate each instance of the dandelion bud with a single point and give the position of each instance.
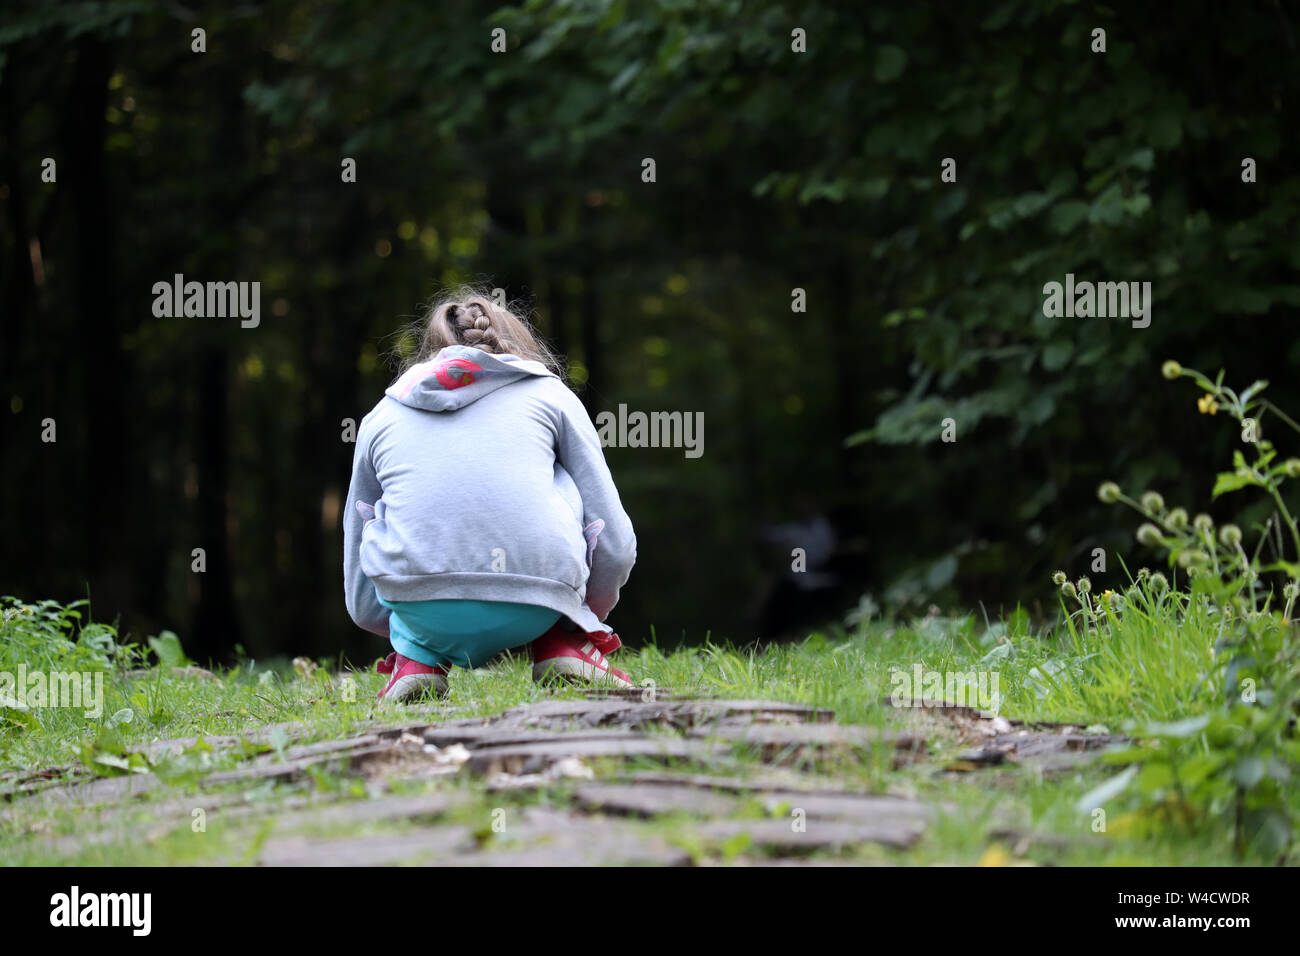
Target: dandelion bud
(1158, 584)
(1171, 369)
(1203, 522)
(1144, 573)
(1151, 501)
(1177, 518)
(1068, 590)
(1059, 578)
(1291, 467)
(1230, 535)
(1133, 595)
(1194, 558)
(1149, 535)
(1084, 585)
(1108, 492)
(1291, 590)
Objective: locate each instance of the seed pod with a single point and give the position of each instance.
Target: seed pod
(1203, 522)
(1149, 535)
(1177, 518)
(1152, 501)
(1059, 578)
(1108, 492)
(1171, 369)
(1230, 535)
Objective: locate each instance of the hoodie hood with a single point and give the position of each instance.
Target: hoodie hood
(458, 376)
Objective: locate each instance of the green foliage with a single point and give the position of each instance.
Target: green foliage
(776, 170)
(1231, 764)
(47, 636)
(239, 716)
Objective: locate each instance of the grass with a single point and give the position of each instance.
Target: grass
(1153, 663)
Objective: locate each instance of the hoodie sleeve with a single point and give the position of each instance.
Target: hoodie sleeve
(614, 549)
(359, 591)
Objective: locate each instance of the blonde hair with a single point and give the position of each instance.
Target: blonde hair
(467, 316)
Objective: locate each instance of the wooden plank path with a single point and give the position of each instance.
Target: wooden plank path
(626, 777)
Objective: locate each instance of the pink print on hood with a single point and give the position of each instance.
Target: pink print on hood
(456, 372)
(451, 373)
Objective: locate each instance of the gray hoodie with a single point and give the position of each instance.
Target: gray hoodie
(481, 476)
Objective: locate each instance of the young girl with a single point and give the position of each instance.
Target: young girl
(481, 514)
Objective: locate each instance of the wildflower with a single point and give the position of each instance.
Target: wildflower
(1158, 584)
(1230, 535)
(1112, 598)
(1144, 573)
(1084, 585)
(1108, 492)
(1203, 522)
(1207, 404)
(1068, 590)
(1171, 369)
(1152, 501)
(1059, 578)
(1177, 518)
(1133, 595)
(1149, 535)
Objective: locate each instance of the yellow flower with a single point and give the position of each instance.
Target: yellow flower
(1207, 404)
(995, 855)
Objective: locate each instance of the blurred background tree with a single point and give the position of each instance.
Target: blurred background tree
(775, 170)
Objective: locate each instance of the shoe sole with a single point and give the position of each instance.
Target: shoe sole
(415, 687)
(573, 670)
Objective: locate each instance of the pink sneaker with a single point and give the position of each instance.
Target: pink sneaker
(411, 680)
(573, 655)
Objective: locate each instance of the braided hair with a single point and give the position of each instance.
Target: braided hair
(469, 317)
(473, 326)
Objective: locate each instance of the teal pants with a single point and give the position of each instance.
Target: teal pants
(463, 633)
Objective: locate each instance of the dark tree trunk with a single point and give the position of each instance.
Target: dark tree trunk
(107, 376)
(558, 297)
(216, 624)
(593, 356)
